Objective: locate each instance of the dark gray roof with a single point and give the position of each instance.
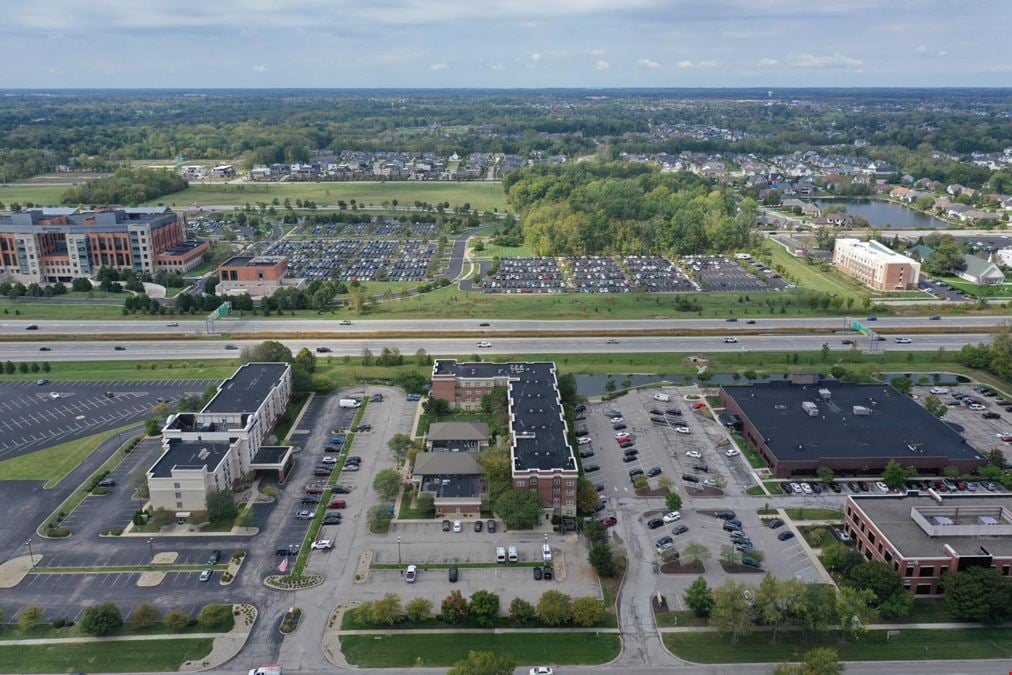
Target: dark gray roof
(247, 388)
(190, 455)
(456, 463)
(458, 431)
(271, 454)
(895, 428)
(452, 486)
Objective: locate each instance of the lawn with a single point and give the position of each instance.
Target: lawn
(751, 454)
(813, 276)
(976, 643)
(813, 514)
(39, 195)
(127, 370)
(980, 290)
(482, 196)
(407, 651)
(54, 463)
(116, 656)
(496, 251)
(680, 618)
(62, 310)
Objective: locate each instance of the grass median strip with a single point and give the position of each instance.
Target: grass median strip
(433, 650)
(114, 656)
(52, 464)
(876, 645)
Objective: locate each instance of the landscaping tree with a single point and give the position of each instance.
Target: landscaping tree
(840, 558)
(596, 532)
(399, 443)
(454, 608)
(436, 408)
(641, 482)
(379, 518)
(978, 594)
(695, 553)
(425, 503)
(825, 474)
(306, 359)
(221, 507)
(698, 597)
(29, 617)
(587, 611)
(586, 496)
(729, 555)
(216, 616)
(935, 406)
(176, 620)
(818, 608)
(731, 614)
(950, 472)
(101, 619)
(819, 661)
(387, 483)
(778, 601)
(484, 608)
(484, 663)
(555, 608)
(521, 611)
(673, 501)
(895, 476)
(144, 616)
(854, 611)
(665, 482)
(602, 560)
(886, 584)
(519, 509)
(387, 610)
(362, 613)
(419, 610)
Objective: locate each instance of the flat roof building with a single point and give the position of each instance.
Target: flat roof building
(800, 425)
(258, 276)
(925, 536)
(455, 480)
(58, 245)
(876, 265)
(542, 459)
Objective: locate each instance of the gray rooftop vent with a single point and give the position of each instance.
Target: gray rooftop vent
(204, 453)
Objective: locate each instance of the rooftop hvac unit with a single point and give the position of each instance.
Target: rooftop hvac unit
(986, 520)
(204, 453)
(825, 394)
(810, 408)
(861, 410)
(941, 520)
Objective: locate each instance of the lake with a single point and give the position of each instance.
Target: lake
(881, 214)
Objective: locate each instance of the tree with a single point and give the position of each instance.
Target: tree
(673, 501)
(950, 472)
(176, 620)
(270, 351)
(895, 476)
(902, 384)
(387, 610)
(519, 509)
(399, 444)
(521, 611)
(101, 619)
(586, 496)
(555, 608)
(854, 611)
(587, 611)
(695, 554)
(418, 610)
(818, 608)
(934, 405)
(641, 482)
(216, 616)
(602, 560)
(387, 483)
(876, 576)
(454, 609)
(698, 597)
(221, 507)
(484, 608)
(840, 558)
(729, 555)
(144, 616)
(484, 663)
(436, 407)
(29, 618)
(819, 661)
(306, 359)
(978, 594)
(379, 518)
(825, 474)
(665, 482)
(778, 601)
(731, 613)
(596, 532)
(426, 503)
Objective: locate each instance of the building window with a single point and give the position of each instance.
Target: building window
(943, 570)
(179, 505)
(521, 483)
(179, 495)
(176, 485)
(909, 572)
(1004, 570)
(871, 537)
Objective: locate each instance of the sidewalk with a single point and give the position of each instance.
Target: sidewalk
(493, 631)
(871, 626)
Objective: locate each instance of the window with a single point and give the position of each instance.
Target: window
(176, 485)
(179, 495)
(943, 570)
(521, 483)
(179, 505)
(871, 537)
(909, 572)
(928, 571)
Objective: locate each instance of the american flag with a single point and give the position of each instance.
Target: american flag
(283, 567)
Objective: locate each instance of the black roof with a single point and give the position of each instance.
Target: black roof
(190, 454)
(271, 454)
(452, 485)
(247, 388)
(895, 426)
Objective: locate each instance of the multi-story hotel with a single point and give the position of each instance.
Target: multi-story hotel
(59, 245)
(876, 265)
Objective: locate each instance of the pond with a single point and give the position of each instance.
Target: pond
(880, 214)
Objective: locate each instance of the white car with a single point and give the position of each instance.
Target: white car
(796, 488)
(345, 322)
(411, 574)
(327, 459)
(542, 670)
(976, 406)
(806, 488)
(882, 486)
(903, 341)
(672, 517)
(939, 390)
(730, 340)
(695, 454)
(54, 394)
(683, 430)
(710, 482)
(662, 397)
(583, 440)
(322, 545)
(1005, 436)
(732, 452)
(457, 527)
(621, 434)
(616, 420)
(484, 345)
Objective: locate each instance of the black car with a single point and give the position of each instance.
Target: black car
(291, 549)
(990, 415)
(107, 483)
(453, 575)
(580, 433)
(586, 453)
(655, 411)
(341, 490)
(629, 458)
(785, 535)
(547, 573)
(580, 408)
(862, 486)
(731, 526)
(658, 420)
(120, 348)
(537, 573)
(835, 487)
(701, 467)
(689, 478)
(323, 350)
(732, 320)
(332, 518)
(654, 523)
(618, 427)
(681, 529)
(446, 526)
(477, 526)
(852, 486)
(655, 471)
(599, 487)
(215, 557)
(725, 515)
(490, 526)
(635, 472)
(45, 349)
(310, 500)
(483, 324)
(673, 411)
(774, 524)
(591, 468)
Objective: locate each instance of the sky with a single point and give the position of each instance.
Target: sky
(504, 43)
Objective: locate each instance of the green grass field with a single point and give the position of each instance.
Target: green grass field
(53, 463)
(115, 656)
(127, 370)
(69, 311)
(813, 514)
(813, 277)
(495, 251)
(975, 643)
(980, 290)
(406, 651)
(39, 195)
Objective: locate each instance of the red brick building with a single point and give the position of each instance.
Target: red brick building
(258, 276)
(542, 458)
(925, 536)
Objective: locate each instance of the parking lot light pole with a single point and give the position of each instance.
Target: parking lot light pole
(398, 550)
(28, 542)
(151, 549)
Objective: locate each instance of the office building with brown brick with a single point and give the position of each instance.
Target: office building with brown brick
(876, 265)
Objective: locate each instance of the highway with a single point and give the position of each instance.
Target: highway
(351, 346)
(364, 325)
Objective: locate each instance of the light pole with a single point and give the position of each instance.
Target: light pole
(151, 549)
(398, 550)
(28, 542)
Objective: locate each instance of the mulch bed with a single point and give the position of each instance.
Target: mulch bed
(739, 569)
(678, 568)
(656, 492)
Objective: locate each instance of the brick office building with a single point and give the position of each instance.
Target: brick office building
(542, 458)
(256, 275)
(925, 536)
(876, 265)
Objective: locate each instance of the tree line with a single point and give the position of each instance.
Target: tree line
(126, 186)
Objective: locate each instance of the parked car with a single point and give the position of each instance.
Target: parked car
(322, 545)
(457, 526)
(732, 452)
(654, 523)
(609, 521)
(683, 430)
(655, 471)
(215, 557)
(446, 526)
(774, 523)
(206, 575)
(672, 517)
(411, 574)
(695, 454)
(453, 575)
(490, 526)
(785, 535)
(882, 487)
(304, 514)
(725, 515)
(591, 468)
(689, 478)
(537, 573)
(681, 529)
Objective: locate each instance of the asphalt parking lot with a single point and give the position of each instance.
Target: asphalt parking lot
(719, 273)
(32, 417)
(357, 259)
(526, 275)
(942, 289)
(980, 433)
(654, 274)
(378, 226)
(597, 274)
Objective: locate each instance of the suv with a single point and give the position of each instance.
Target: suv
(654, 523)
(701, 467)
(689, 478)
(215, 557)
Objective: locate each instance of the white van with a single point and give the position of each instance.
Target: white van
(662, 397)
(513, 554)
(349, 403)
(546, 553)
(500, 554)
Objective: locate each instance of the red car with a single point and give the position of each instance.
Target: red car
(698, 405)
(609, 521)
(623, 439)
(337, 504)
(315, 489)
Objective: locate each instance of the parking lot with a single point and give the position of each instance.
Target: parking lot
(654, 274)
(34, 416)
(357, 259)
(941, 289)
(982, 434)
(378, 227)
(597, 274)
(720, 273)
(526, 275)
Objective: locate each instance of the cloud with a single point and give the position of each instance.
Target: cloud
(602, 65)
(438, 66)
(497, 66)
(921, 49)
(685, 64)
(836, 60)
(259, 69)
(647, 63)
(597, 52)
(535, 57)
(766, 62)
(708, 64)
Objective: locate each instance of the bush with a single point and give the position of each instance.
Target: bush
(59, 622)
(216, 617)
(554, 608)
(101, 619)
(602, 560)
(521, 611)
(176, 620)
(144, 616)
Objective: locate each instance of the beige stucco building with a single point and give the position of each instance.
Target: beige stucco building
(876, 265)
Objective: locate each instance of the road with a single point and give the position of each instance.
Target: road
(254, 325)
(352, 346)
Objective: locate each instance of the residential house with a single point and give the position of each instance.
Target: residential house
(981, 271)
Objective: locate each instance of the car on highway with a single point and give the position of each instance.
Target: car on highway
(172, 324)
(231, 347)
(672, 517)
(611, 341)
(45, 349)
(119, 348)
(934, 317)
(903, 341)
(323, 350)
(345, 322)
(484, 324)
(484, 345)
(730, 340)
(31, 326)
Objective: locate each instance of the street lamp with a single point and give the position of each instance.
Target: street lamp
(398, 550)
(151, 549)
(28, 542)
